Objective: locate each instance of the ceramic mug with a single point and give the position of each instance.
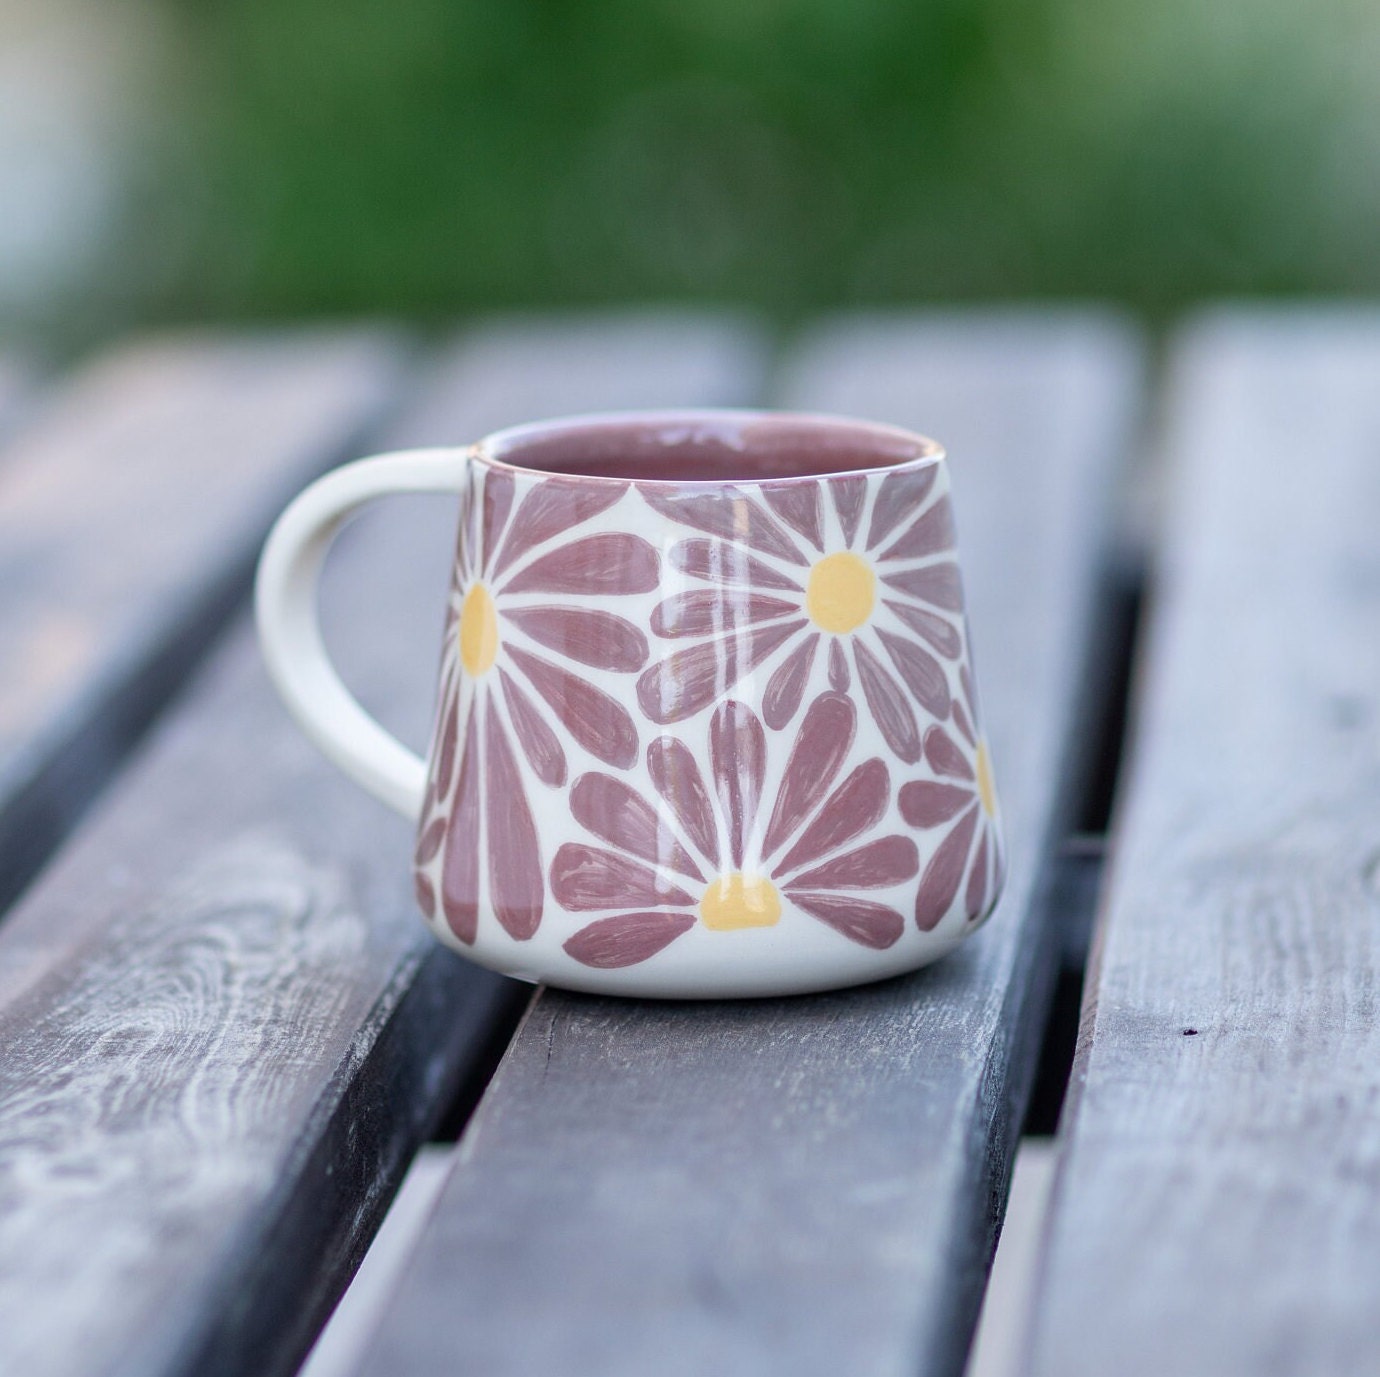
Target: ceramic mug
(707, 723)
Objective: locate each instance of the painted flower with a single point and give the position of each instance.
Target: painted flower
(528, 610)
(718, 854)
(875, 585)
(962, 800)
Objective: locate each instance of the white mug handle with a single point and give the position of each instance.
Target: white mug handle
(285, 603)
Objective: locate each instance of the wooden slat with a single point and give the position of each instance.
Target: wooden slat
(131, 509)
(808, 1185)
(1218, 1207)
(225, 1026)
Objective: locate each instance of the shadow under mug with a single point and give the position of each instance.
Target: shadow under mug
(707, 723)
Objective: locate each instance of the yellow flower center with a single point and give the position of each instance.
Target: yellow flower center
(841, 592)
(478, 630)
(740, 901)
(987, 791)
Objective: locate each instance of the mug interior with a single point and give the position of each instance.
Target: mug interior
(706, 446)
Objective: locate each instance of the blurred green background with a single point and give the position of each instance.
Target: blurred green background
(428, 157)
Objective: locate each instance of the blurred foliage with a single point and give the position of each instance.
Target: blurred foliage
(429, 155)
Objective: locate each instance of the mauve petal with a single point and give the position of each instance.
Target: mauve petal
(871, 924)
(429, 843)
(713, 611)
(848, 503)
(920, 672)
(552, 506)
(797, 504)
(626, 938)
(426, 894)
(498, 500)
(599, 723)
(460, 870)
(941, 634)
(890, 710)
(681, 684)
(600, 639)
(824, 740)
(939, 884)
(445, 759)
(887, 861)
(596, 566)
(539, 743)
(720, 561)
(730, 515)
(899, 498)
(588, 877)
(976, 893)
(786, 687)
(615, 813)
(855, 807)
(839, 678)
(738, 760)
(940, 585)
(963, 724)
(945, 756)
(927, 803)
(933, 532)
(677, 778)
(515, 872)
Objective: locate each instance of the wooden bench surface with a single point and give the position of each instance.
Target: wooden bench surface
(226, 1032)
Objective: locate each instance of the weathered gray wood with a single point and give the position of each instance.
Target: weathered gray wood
(225, 1028)
(131, 508)
(1218, 1207)
(809, 1185)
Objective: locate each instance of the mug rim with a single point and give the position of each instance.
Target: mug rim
(493, 449)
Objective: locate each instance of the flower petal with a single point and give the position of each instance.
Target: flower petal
(460, 871)
(920, 671)
(595, 638)
(887, 861)
(588, 877)
(933, 532)
(824, 740)
(944, 755)
(890, 710)
(617, 814)
(939, 884)
(941, 634)
(445, 758)
(720, 561)
(731, 515)
(596, 566)
(626, 938)
(498, 501)
(599, 723)
(963, 724)
(855, 807)
(797, 504)
(899, 497)
(426, 894)
(940, 585)
(839, 678)
(681, 684)
(848, 494)
(927, 803)
(786, 687)
(515, 871)
(713, 611)
(976, 893)
(871, 924)
(738, 760)
(676, 777)
(539, 743)
(551, 506)
(429, 843)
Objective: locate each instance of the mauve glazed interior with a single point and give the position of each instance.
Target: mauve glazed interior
(709, 446)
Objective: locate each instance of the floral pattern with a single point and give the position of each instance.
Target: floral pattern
(720, 854)
(512, 681)
(874, 585)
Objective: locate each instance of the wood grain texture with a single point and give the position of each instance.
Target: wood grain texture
(131, 508)
(809, 1185)
(225, 1026)
(1218, 1206)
